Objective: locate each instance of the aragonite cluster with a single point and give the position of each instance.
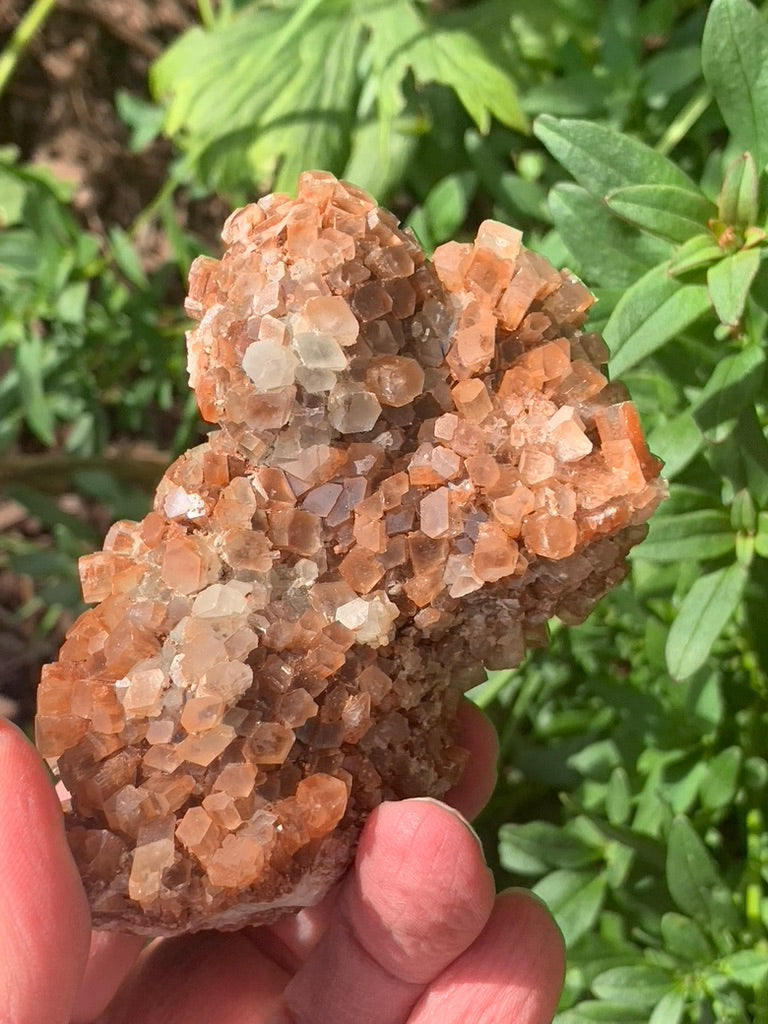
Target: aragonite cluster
(416, 464)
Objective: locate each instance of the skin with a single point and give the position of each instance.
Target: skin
(413, 935)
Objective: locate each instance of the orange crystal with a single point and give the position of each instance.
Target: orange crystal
(415, 465)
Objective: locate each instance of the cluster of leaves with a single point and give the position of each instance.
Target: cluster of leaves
(649, 720)
(634, 780)
(88, 348)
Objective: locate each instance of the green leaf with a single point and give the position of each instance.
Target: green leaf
(734, 57)
(694, 881)
(575, 899)
(602, 159)
(703, 615)
(729, 281)
(669, 1009)
(699, 535)
(684, 938)
(719, 786)
(747, 967)
(753, 452)
(735, 383)
(618, 797)
(276, 83)
(652, 312)
(126, 257)
(674, 213)
(761, 537)
(445, 208)
(610, 252)
(592, 1011)
(71, 302)
(30, 356)
(699, 251)
(737, 204)
(144, 120)
(537, 846)
(638, 986)
(455, 58)
(676, 442)
(13, 196)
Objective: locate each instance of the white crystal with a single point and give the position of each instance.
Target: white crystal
(221, 600)
(269, 365)
(319, 352)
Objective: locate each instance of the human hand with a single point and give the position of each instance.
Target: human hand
(413, 935)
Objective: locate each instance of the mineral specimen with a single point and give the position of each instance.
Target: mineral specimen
(416, 465)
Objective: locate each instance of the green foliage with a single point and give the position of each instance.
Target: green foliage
(87, 349)
(272, 89)
(642, 729)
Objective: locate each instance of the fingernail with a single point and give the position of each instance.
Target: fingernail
(452, 811)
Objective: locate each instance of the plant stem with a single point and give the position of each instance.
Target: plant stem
(29, 25)
(205, 10)
(684, 121)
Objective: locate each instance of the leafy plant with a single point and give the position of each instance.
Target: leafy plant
(270, 89)
(649, 719)
(88, 347)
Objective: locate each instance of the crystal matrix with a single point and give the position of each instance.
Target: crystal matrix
(415, 466)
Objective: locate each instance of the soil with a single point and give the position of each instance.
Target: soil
(58, 110)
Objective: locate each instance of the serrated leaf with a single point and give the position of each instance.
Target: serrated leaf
(455, 58)
(703, 614)
(639, 986)
(699, 535)
(699, 251)
(278, 83)
(735, 383)
(609, 252)
(674, 213)
(602, 159)
(652, 312)
(729, 281)
(734, 57)
(737, 203)
(537, 846)
(575, 899)
(694, 880)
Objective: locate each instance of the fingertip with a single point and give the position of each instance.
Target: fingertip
(111, 956)
(423, 855)
(475, 787)
(45, 925)
(513, 971)
(419, 894)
